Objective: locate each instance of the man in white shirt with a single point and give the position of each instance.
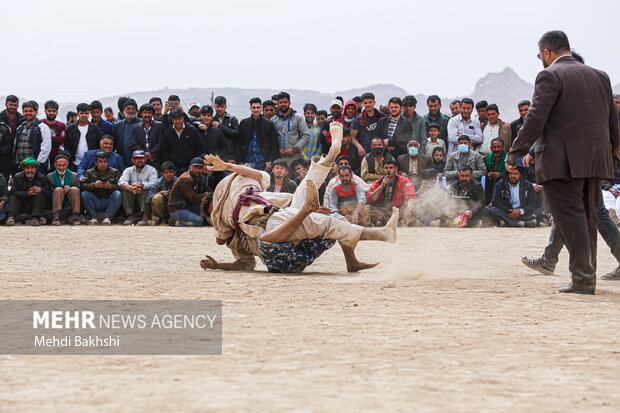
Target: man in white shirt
(494, 128)
(134, 185)
(464, 124)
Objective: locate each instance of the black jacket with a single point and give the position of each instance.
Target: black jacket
(528, 197)
(401, 137)
(21, 185)
(4, 119)
(267, 136)
(213, 142)
(6, 147)
(72, 138)
(229, 126)
(180, 150)
(118, 132)
(475, 197)
(138, 137)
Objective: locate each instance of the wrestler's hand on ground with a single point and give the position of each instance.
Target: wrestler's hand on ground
(215, 163)
(208, 263)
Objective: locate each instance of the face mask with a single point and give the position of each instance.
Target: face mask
(413, 151)
(463, 148)
(377, 151)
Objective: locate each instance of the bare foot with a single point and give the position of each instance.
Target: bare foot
(336, 131)
(312, 197)
(390, 227)
(359, 266)
(208, 263)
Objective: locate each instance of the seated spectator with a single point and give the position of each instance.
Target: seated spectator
(470, 210)
(413, 164)
(159, 193)
(106, 144)
(300, 168)
(280, 182)
(395, 129)
(391, 190)
(433, 140)
(187, 194)
(180, 142)
(495, 163)
(29, 194)
(464, 157)
(350, 151)
(66, 191)
(334, 179)
(212, 138)
(100, 190)
(437, 165)
(134, 184)
(4, 197)
(349, 199)
(515, 202)
(372, 164)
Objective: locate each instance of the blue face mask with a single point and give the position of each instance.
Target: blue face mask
(413, 151)
(463, 148)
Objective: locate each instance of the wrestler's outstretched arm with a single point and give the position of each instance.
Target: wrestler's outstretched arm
(214, 163)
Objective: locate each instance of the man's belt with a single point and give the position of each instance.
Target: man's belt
(246, 199)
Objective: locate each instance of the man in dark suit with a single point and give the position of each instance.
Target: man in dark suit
(395, 130)
(413, 164)
(572, 156)
(258, 140)
(145, 135)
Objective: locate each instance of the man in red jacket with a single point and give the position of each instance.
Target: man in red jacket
(391, 190)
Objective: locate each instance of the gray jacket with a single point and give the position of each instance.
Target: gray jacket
(293, 130)
(419, 132)
(76, 180)
(475, 161)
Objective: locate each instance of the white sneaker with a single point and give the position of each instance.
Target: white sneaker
(106, 221)
(92, 221)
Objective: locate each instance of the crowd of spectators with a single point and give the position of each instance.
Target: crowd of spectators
(144, 165)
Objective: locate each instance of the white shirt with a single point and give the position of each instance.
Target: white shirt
(470, 127)
(147, 176)
(489, 133)
(82, 145)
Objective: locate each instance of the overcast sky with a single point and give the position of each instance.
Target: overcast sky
(79, 50)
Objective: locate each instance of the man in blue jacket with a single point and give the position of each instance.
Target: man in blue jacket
(106, 145)
(515, 202)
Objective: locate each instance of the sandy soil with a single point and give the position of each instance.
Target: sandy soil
(451, 321)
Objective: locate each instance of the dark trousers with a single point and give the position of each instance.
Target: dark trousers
(33, 205)
(574, 204)
(501, 215)
(606, 227)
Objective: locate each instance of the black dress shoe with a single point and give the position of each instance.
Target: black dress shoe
(570, 289)
(614, 275)
(536, 264)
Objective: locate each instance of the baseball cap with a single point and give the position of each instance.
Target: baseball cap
(336, 102)
(197, 161)
(138, 154)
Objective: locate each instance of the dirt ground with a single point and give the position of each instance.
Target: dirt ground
(451, 321)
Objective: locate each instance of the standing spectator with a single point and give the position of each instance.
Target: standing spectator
(29, 194)
(57, 128)
(96, 112)
(495, 164)
(349, 199)
(66, 191)
(72, 117)
(395, 130)
(433, 140)
(99, 190)
(157, 108)
(464, 124)
(336, 115)
(33, 139)
(280, 182)
(372, 164)
(10, 116)
(122, 130)
(212, 139)
(418, 123)
(146, 134)
(6, 150)
(293, 130)
(106, 144)
(391, 190)
(109, 115)
(269, 110)
(4, 197)
(179, 142)
(363, 127)
(455, 108)
(515, 125)
(120, 103)
(515, 202)
(321, 116)
(413, 164)
(464, 157)
(435, 117)
(276, 103)
(313, 147)
(228, 124)
(481, 112)
(187, 194)
(350, 151)
(134, 185)
(193, 111)
(258, 140)
(470, 211)
(82, 136)
(494, 128)
(159, 193)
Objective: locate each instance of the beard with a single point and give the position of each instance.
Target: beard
(51, 118)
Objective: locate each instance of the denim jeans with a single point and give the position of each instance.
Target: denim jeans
(188, 217)
(93, 204)
(4, 210)
(606, 227)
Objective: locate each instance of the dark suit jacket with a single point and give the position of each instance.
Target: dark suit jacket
(424, 162)
(267, 136)
(401, 137)
(574, 115)
(138, 137)
(180, 151)
(72, 138)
